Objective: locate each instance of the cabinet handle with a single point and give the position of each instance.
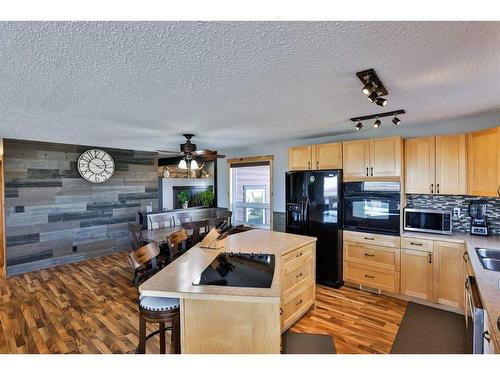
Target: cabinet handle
(430, 257)
(369, 255)
(432, 188)
(298, 255)
(308, 165)
(298, 303)
(437, 188)
(487, 336)
(370, 276)
(372, 171)
(465, 256)
(367, 171)
(415, 243)
(498, 190)
(299, 275)
(317, 164)
(281, 311)
(369, 238)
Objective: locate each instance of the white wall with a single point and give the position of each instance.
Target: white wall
(280, 150)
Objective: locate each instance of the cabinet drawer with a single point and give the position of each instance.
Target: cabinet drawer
(296, 258)
(374, 239)
(372, 255)
(375, 278)
(296, 305)
(294, 277)
(417, 244)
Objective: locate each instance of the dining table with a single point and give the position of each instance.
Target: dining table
(159, 235)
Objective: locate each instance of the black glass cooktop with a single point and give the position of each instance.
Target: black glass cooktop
(239, 269)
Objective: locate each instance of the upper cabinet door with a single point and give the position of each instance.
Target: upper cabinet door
(300, 158)
(420, 165)
(356, 159)
(385, 157)
(328, 156)
(451, 164)
(483, 158)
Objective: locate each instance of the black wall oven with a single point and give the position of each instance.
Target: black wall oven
(372, 207)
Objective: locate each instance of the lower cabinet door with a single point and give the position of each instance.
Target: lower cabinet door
(449, 272)
(416, 274)
(295, 305)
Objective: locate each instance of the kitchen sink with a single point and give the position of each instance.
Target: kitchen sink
(488, 253)
(491, 264)
(490, 258)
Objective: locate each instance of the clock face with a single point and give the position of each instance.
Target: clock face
(96, 166)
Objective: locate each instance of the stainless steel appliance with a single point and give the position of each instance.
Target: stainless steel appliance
(479, 221)
(372, 207)
(313, 207)
(429, 221)
(474, 314)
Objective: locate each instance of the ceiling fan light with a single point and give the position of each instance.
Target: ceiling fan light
(373, 96)
(182, 164)
(359, 125)
(368, 88)
(381, 101)
(377, 123)
(396, 121)
(194, 164)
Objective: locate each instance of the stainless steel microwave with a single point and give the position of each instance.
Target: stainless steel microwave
(429, 221)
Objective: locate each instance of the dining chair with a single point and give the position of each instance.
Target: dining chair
(143, 262)
(214, 221)
(157, 222)
(177, 242)
(195, 227)
(135, 235)
(181, 218)
(226, 215)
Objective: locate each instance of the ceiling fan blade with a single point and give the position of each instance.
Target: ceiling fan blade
(204, 152)
(174, 153)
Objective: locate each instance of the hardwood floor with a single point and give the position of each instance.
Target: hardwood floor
(360, 322)
(90, 307)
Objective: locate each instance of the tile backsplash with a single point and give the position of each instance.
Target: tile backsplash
(449, 202)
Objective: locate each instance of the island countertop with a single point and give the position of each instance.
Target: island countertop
(176, 280)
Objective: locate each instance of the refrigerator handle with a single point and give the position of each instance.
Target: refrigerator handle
(305, 217)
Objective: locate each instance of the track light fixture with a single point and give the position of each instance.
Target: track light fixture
(396, 121)
(381, 101)
(373, 87)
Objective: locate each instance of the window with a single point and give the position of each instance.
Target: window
(251, 191)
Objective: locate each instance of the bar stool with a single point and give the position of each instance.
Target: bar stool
(161, 310)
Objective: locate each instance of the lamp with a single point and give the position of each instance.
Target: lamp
(359, 126)
(377, 123)
(381, 101)
(182, 164)
(396, 121)
(194, 164)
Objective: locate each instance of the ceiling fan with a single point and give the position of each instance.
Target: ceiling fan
(189, 154)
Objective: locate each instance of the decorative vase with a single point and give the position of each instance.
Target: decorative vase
(185, 204)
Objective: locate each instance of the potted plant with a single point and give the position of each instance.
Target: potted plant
(205, 198)
(183, 198)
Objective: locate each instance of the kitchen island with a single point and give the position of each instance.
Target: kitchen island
(222, 319)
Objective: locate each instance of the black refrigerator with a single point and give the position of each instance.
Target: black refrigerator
(314, 208)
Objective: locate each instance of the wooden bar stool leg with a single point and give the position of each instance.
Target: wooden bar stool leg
(163, 346)
(176, 342)
(142, 335)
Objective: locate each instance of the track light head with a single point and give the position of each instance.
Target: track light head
(396, 121)
(368, 88)
(381, 101)
(359, 126)
(377, 123)
(373, 96)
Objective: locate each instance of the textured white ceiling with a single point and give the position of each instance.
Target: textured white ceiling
(141, 84)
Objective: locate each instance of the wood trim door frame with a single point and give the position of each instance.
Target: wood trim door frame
(250, 160)
(3, 260)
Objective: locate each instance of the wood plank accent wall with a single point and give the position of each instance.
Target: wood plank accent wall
(53, 216)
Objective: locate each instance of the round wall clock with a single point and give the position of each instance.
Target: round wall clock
(96, 166)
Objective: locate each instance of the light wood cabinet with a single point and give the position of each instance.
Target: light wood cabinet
(315, 157)
(448, 273)
(299, 158)
(436, 165)
(483, 162)
(356, 158)
(377, 157)
(433, 272)
(328, 156)
(416, 273)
